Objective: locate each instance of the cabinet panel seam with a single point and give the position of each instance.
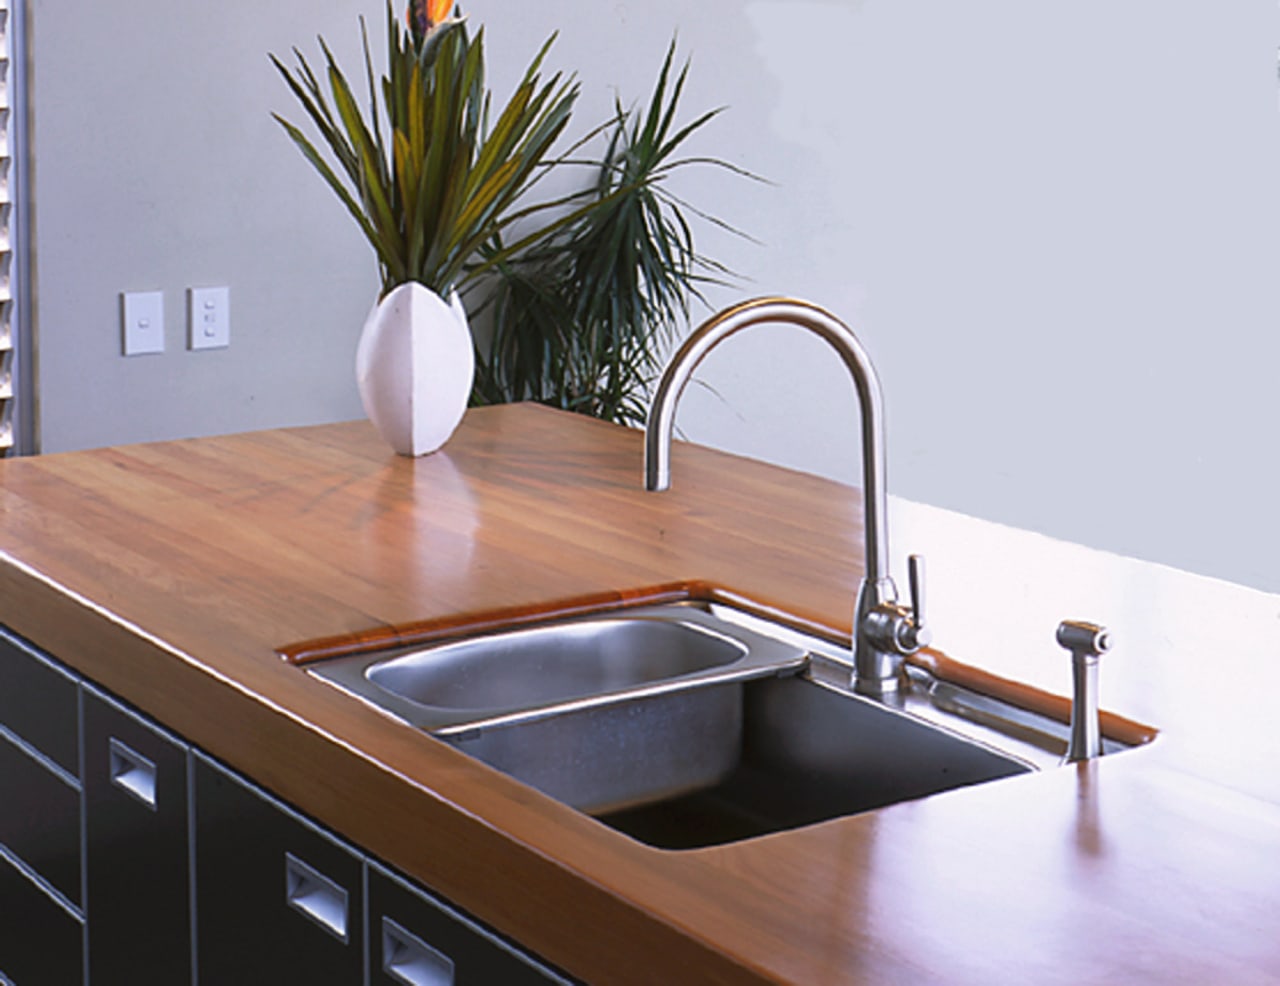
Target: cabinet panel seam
(41, 884)
(52, 766)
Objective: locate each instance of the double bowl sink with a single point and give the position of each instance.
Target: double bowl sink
(695, 724)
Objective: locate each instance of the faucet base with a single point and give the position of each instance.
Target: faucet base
(876, 687)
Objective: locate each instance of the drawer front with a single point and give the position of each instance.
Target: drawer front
(38, 702)
(277, 901)
(417, 940)
(40, 943)
(40, 819)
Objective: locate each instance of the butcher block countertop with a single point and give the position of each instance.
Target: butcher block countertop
(176, 574)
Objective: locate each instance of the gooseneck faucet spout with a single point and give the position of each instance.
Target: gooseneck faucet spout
(883, 630)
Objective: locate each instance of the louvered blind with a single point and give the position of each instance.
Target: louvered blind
(12, 336)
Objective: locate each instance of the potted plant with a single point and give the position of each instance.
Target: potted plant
(581, 318)
(580, 306)
(431, 176)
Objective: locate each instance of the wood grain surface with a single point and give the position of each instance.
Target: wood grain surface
(177, 574)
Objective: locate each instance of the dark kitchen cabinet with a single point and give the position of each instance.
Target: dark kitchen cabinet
(136, 844)
(41, 913)
(277, 899)
(39, 767)
(416, 939)
(127, 856)
(41, 941)
(40, 819)
(39, 702)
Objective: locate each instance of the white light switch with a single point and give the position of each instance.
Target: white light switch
(209, 317)
(142, 314)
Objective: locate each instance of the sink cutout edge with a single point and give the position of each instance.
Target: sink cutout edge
(935, 662)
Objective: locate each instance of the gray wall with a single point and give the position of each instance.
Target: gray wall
(157, 167)
(1053, 226)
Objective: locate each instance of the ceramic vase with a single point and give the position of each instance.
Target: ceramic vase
(414, 368)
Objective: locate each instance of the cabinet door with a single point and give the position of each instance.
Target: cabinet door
(136, 840)
(416, 939)
(277, 900)
(41, 941)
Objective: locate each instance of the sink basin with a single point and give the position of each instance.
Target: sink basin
(601, 712)
(457, 687)
(691, 725)
(808, 753)
(550, 665)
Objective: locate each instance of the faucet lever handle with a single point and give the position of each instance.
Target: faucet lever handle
(913, 634)
(915, 582)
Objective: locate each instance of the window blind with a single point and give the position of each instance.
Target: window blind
(14, 358)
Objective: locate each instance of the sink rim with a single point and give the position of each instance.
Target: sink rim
(935, 706)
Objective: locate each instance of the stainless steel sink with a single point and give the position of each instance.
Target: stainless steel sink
(808, 753)
(692, 725)
(457, 687)
(601, 712)
(523, 670)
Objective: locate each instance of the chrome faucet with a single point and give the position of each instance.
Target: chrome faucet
(883, 630)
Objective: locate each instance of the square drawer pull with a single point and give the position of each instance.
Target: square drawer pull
(315, 896)
(132, 773)
(407, 959)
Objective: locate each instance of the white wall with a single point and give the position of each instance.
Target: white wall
(1053, 226)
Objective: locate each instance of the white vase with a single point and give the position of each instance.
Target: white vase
(414, 368)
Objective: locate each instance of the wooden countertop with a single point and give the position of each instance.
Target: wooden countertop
(171, 573)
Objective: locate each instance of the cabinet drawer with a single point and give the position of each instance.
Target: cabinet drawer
(417, 940)
(41, 944)
(40, 819)
(38, 702)
(277, 900)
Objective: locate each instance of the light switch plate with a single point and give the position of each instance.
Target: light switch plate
(209, 317)
(142, 318)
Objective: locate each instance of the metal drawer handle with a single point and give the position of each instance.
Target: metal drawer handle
(407, 959)
(132, 772)
(315, 896)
